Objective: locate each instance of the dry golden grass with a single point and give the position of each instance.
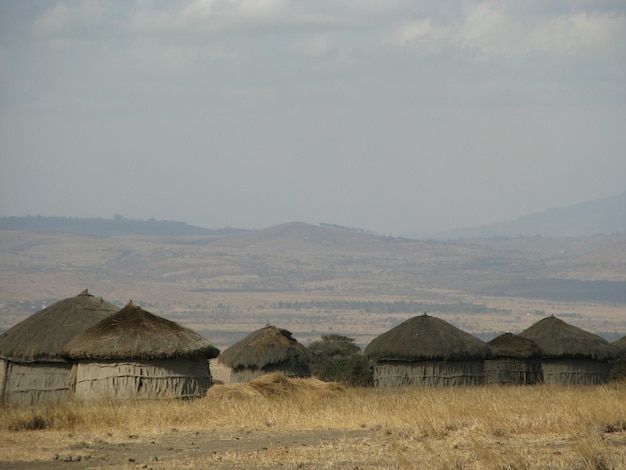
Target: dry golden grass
(299, 423)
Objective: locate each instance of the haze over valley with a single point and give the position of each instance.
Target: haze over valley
(316, 279)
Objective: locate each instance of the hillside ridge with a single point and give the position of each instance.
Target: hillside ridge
(98, 226)
(604, 216)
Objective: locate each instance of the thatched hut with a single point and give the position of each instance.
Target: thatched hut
(267, 350)
(134, 354)
(31, 368)
(425, 350)
(515, 360)
(617, 367)
(570, 355)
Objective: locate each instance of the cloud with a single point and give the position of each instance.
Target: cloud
(490, 30)
(211, 16)
(409, 32)
(63, 17)
(581, 33)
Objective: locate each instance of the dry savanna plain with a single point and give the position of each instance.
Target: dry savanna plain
(275, 422)
(316, 280)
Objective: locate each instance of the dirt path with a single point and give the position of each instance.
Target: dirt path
(157, 451)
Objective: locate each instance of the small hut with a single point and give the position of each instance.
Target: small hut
(31, 368)
(617, 367)
(425, 350)
(515, 360)
(264, 351)
(571, 355)
(134, 354)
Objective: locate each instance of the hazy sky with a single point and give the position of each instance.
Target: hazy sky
(387, 115)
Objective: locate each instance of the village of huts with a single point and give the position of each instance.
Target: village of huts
(86, 348)
(32, 370)
(267, 350)
(136, 354)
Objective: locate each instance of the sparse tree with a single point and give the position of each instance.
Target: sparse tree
(336, 358)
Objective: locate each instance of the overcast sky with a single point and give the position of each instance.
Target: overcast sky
(392, 116)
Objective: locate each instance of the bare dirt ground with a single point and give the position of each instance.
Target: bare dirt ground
(172, 450)
(308, 449)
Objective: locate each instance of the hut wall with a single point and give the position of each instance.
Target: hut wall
(515, 371)
(120, 380)
(37, 382)
(246, 374)
(3, 377)
(569, 371)
(617, 369)
(429, 373)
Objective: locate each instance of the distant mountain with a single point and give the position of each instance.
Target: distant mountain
(118, 225)
(300, 236)
(603, 216)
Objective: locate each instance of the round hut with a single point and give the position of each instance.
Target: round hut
(617, 367)
(425, 350)
(31, 368)
(570, 355)
(269, 349)
(514, 360)
(134, 354)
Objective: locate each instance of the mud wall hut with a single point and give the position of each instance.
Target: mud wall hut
(425, 350)
(264, 351)
(32, 370)
(134, 354)
(571, 355)
(515, 360)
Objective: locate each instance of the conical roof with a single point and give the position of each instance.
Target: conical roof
(426, 338)
(268, 345)
(42, 335)
(560, 339)
(134, 333)
(620, 344)
(510, 345)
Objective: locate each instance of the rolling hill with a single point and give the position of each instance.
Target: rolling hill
(318, 279)
(98, 226)
(603, 216)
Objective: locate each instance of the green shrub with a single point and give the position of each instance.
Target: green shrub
(336, 358)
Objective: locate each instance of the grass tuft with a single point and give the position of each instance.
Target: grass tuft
(593, 454)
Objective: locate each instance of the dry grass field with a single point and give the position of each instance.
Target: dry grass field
(275, 422)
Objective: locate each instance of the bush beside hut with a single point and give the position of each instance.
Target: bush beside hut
(336, 358)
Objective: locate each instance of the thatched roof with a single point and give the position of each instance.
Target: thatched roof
(562, 340)
(620, 344)
(269, 345)
(515, 346)
(134, 333)
(41, 336)
(424, 338)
